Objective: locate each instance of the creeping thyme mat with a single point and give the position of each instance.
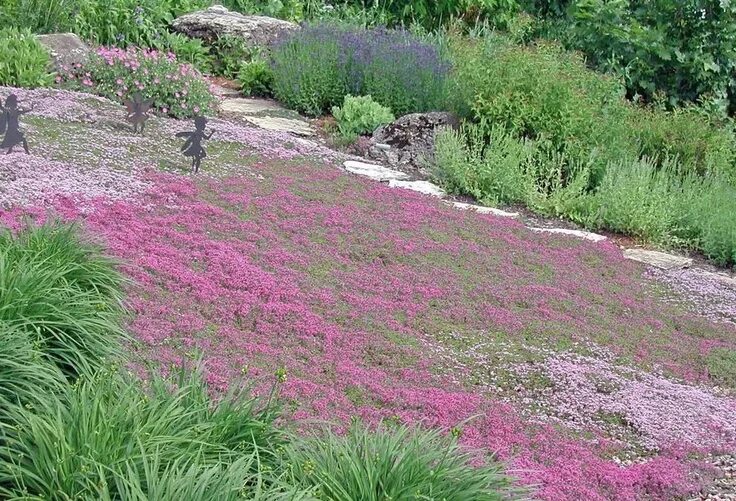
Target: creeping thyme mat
(555, 354)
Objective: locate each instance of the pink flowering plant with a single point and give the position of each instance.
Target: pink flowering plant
(178, 90)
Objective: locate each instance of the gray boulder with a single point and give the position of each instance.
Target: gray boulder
(66, 49)
(208, 24)
(408, 143)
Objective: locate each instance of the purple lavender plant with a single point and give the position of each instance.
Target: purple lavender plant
(316, 67)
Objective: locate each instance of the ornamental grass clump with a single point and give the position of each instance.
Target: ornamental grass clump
(175, 89)
(60, 299)
(398, 463)
(319, 65)
(109, 437)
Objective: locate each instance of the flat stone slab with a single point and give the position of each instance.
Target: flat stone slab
(373, 171)
(281, 125)
(593, 237)
(659, 259)
(249, 106)
(421, 186)
(484, 210)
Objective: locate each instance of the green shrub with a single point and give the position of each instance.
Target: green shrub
(40, 16)
(496, 172)
(175, 89)
(291, 10)
(107, 437)
(700, 146)
(61, 291)
(187, 50)
(683, 49)
(125, 23)
(24, 62)
(546, 94)
(360, 115)
(635, 198)
(319, 65)
(229, 54)
(432, 14)
(256, 78)
(401, 463)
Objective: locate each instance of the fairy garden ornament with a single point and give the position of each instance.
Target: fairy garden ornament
(192, 147)
(9, 127)
(137, 111)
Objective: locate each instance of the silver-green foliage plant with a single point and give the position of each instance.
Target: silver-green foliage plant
(24, 62)
(360, 115)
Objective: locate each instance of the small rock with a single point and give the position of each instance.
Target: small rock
(659, 259)
(249, 106)
(377, 172)
(593, 237)
(410, 141)
(421, 186)
(484, 210)
(297, 127)
(66, 49)
(211, 23)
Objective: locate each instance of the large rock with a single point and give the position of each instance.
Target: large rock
(408, 143)
(66, 49)
(208, 24)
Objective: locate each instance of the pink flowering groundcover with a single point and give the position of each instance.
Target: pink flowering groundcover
(551, 353)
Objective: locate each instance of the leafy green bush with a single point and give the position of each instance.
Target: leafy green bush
(319, 65)
(543, 93)
(229, 54)
(432, 14)
(125, 23)
(109, 438)
(60, 291)
(175, 89)
(654, 200)
(24, 62)
(499, 173)
(40, 16)
(360, 115)
(699, 146)
(256, 78)
(399, 463)
(683, 49)
(291, 10)
(187, 50)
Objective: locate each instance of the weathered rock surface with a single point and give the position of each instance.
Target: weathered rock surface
(593, 237)
(421, 186)
(208, 24)
(66, 49)
(659, 259)
(410, 141)
(372, 171)
(480, 209)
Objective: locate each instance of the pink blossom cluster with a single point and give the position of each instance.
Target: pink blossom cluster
(30, 179)
(663, 413)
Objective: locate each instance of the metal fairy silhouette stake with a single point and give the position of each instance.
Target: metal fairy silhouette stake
(9, 115)
(137, 111)
(192, 147)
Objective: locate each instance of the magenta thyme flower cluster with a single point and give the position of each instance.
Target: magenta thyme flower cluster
(176, 89)
(346, 287)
